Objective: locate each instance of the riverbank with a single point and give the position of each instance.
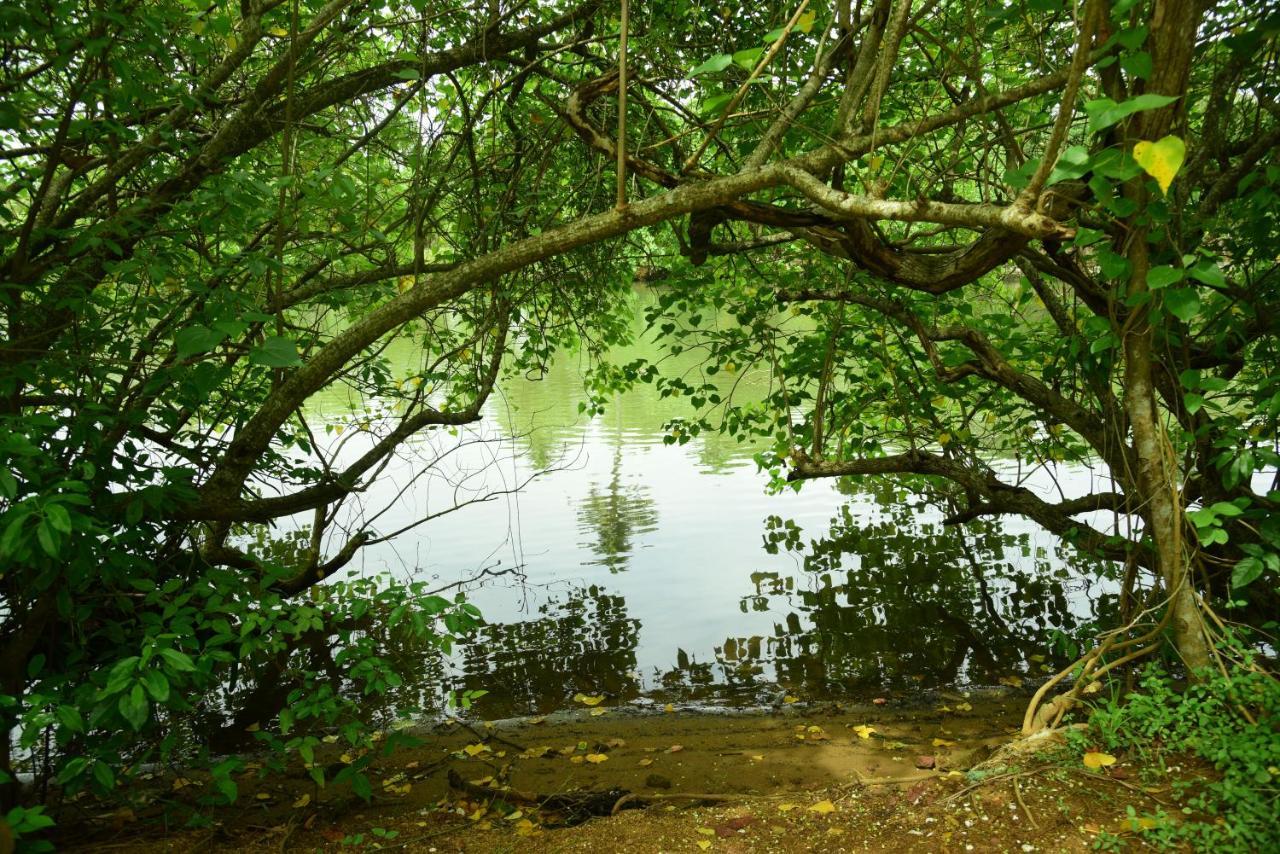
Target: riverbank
(908, 775)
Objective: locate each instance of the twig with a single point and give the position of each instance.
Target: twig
(1017, 793)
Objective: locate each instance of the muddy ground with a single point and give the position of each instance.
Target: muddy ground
(897, 776)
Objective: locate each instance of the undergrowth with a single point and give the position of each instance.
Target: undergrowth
(1230, 721)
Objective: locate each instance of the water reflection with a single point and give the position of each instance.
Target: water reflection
(857, 588)
(585, 642)
(615, 516)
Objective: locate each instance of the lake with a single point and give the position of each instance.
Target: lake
(655, 572)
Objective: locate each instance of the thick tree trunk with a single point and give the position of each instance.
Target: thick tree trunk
(1157, 483)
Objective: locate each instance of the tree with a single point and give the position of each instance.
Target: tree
(210, 214)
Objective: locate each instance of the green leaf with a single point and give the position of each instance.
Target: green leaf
(134, 707)
(1209, 273)
(1193, 402)
(178, 660)
(716, 103)
(157, 685)
(1183, 303)
(58, 517)
(70, 718)
(719, 62)
(195, 340)
(1073, 164)
(276, 352)
(1246, 572)
(1163, 276)
(104, 775)
(748, 58)
(1104, 112)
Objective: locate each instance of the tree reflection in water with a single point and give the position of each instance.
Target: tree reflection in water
(892, 600)
(585, 642)
(615, 515)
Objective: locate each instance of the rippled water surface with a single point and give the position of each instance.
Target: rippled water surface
(648, 570)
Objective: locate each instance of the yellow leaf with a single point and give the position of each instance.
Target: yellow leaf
(595, 713)
(787, 807)
(1093, 688)
(346, 759)
(704, 844)
(1096, 760)
(477, 815)
(805, 22)
(1038, 659)
(475, 749)
(278, 31)
(675, 748)
(180, 783)
(302, 801)
(705, 831)
(864, 731)
(263, 796)
(482, 781)
(524, 827)
(536, 721)
(758, 757)
(253, 728)
(790, 699)
(823, 807)
(597, 758)
(669, 708)
(875, 161)
(588, 701)
(964, 707)
(646, 762)
(1161, 159)
(942, 742)
(576, 760)
(1011, 681)
(515, 816)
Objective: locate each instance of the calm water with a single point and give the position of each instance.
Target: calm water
(662, 572)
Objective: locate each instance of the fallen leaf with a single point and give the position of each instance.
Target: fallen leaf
(669, 708)
(263, 796)
(880, 701)
(302, 801)
(515, 816)
(675, 748)
(482, 781)
(595, 713)
(347, 758)
(963, 707)
(597, 758)
(787, 807)
(790, 699)
(588, 701)
(329, 739)
(524, 827)
(646, 762)
(615, 743)
(704, 844)
(470, 750)
(942, 742)
(1094, 759)
(758, 757)
(823, 807)
(705, 831)
(1011, 681)
(863, 730)
(180, 783)
(253, 727)
(538, 720)
(576, 760)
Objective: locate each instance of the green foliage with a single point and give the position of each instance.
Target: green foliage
(1230, 722)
